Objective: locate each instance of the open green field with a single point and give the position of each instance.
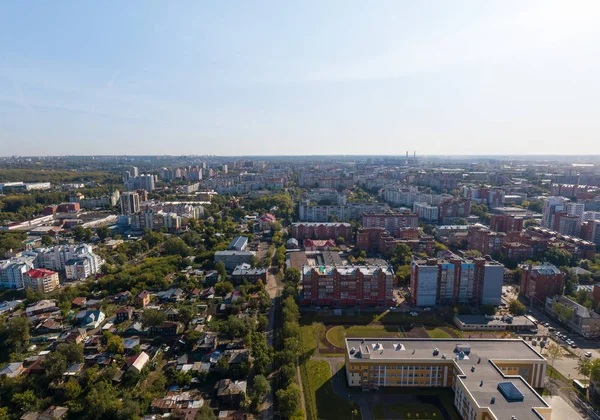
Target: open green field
(406, 411)
(307, 339)
(321, 401)
(337, 334)
(438, 333)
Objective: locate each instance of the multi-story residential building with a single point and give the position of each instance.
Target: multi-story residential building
(398, 195)
(68, 208)
(378, 240)
(325, 196)
(566, 224)
(575, 209)
(264, 222)
(590, 231)
(321, 230)
(83, 266)
(491, 379)
(59, 257)
(41, 280)
(246, 272)
(130, 203)
(552, 205)
(456, 280)
(232, 259)
(390, 221)
(506, 223)
(491, 197)
(12, 272)
(454, 208)
(317, 213)
(580, 248)
(484, 240)
(580, 319)
(539, 282)
(347, 285)
(426, 213)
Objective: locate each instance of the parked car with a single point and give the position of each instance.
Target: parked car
(588, 354)
(573, 345)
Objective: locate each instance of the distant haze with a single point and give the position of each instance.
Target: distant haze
(300, 78)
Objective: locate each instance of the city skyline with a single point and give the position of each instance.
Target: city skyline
(321, 78)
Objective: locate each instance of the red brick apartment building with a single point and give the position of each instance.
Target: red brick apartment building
(484, 240)
(506, 223)
(541, 281)
(316, 230)
(454, 208)
(390, 221)
(378, 239)
(347, 285)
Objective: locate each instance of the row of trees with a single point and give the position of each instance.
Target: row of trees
(288, 394)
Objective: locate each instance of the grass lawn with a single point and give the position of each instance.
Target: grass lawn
(438, 333)
(307, 339)
(337, 334)
(321, 401)
(406, 411)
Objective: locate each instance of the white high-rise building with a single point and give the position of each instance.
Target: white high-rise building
(12, 272)
(146, 182)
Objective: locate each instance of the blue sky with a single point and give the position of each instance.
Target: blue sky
(310, 77)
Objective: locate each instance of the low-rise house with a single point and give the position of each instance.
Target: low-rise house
(124, 313)
(211, 278)
(130, 343)
(74, 370)
(208, 293)
(137, 328)
(76, 335)
(92, 345)
(43, 306)
(51, 413)
(167, 328)
(49, 326)
(122, 297)
(208, 342)
(230, 393)
(178, 400)
(79, 302)
(93, 319)
(137, 362)
(171, 295)
(12, 370)
(172, 314)
(237, 356)
(195, 294)
(142, 299)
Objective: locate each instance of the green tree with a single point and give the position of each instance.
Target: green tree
(403, 274)
(260, 388)
(205, 413)
(488, 309)
(103, 232)
(153, 317)
(223, 287)
(220, 267)
(25, 401)
(115, 344)
(554, 352)
(292, 275)
(176, 246)
(517, 308)
(46, 240)
(401, 255)
(102, 401)
(584, 367)
(559, 256)
(72, 389)
(73, 352)
(55, 364)
(16, 333)
(288, 401)
(4, 413)
(473, 253)
(82, 234)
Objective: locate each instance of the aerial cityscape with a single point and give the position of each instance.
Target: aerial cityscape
(317, 210)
